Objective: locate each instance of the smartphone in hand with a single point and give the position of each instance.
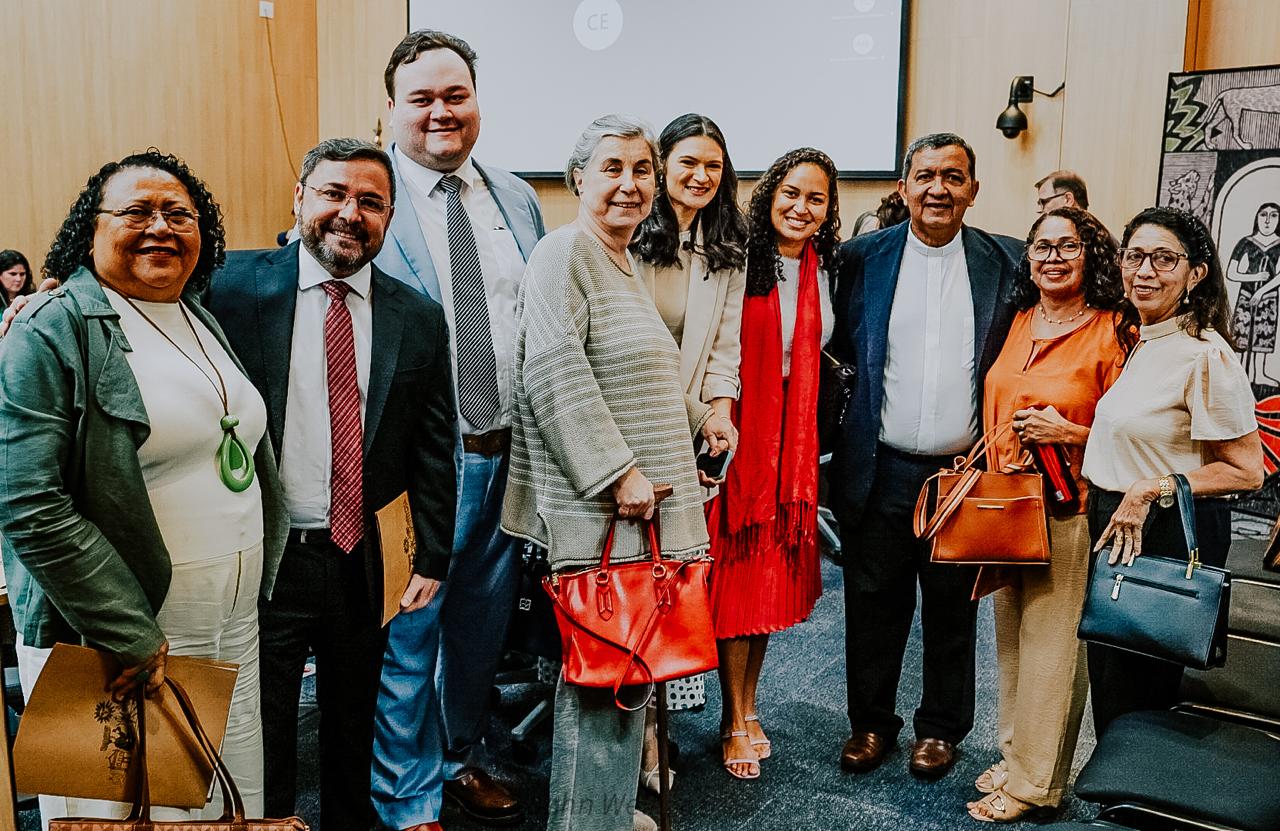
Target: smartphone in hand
(714, 467)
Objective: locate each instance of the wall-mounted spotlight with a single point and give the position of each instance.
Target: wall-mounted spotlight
(1013, 120)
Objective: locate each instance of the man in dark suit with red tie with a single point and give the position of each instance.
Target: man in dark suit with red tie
(356, 372)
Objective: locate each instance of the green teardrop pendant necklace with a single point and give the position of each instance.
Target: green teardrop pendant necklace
(235, 462)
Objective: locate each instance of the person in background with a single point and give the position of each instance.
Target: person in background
(601, 415)
(143, 515)
(460, 235)
(355, 370)
(767, 574)
(890, 211)
(1061, 189)
(1065, 348)
(922, 310)
(1182, 405)
(690, 252)
(16, 279)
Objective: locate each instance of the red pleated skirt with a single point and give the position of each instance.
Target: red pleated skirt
(769, 590)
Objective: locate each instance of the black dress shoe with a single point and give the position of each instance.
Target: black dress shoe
(483, 798)
(932, 758)
(864, 752)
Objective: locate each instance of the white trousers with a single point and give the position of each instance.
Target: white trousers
(211, 611)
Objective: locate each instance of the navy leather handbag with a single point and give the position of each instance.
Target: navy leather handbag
(1169, 608)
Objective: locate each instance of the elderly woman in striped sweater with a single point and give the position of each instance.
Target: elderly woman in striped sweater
(601, 416)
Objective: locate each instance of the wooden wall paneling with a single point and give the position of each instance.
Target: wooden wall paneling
(1233, 33)
(355, 39)
(1119, 59)
(97, 79)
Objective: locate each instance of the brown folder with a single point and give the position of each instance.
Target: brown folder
(76, 741)
(399, 548)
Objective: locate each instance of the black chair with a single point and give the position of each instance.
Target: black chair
(1214, 762)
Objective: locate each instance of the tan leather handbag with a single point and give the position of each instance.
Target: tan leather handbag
(139, 819)
(984, 517)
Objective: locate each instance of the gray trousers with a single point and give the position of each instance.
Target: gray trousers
(595, 761)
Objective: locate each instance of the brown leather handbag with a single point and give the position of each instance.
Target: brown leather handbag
(984, 517)
(139, 819)
(634, 624)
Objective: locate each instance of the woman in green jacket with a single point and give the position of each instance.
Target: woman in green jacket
(138, 517)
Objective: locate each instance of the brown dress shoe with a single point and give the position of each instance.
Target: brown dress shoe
(483, 798)
(932, 758)
(863, 752)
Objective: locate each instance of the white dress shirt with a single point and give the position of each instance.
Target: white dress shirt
(789, 298)
(199, 516)
(306, 457)
(930, 384)
(501, 264)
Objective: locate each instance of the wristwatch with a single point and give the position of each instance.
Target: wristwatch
(1166, 492)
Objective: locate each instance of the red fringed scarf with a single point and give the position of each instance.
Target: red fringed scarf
(771, 492)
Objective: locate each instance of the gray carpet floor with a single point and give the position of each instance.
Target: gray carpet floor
(802, 705)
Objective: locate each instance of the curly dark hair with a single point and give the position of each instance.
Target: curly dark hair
(764, 264)
(73, 244)
(723, 227)
(1207, 303)
(1103, 289)
(8, 259)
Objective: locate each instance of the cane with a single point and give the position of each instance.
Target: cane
(664, 763)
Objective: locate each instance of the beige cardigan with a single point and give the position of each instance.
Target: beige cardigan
(710, 349)
(597, 390)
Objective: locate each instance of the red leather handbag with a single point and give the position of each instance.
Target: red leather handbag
(634, 624)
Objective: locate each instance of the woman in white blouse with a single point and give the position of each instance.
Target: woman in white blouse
(691, 252)
(764, 536)
(1183, 404)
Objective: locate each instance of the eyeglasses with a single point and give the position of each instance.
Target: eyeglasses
(1044, 203)
(1041, 250)
(366, 204)
(1162, 259)
(179, 220)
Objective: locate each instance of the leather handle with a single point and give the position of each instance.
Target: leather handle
(660, 492)
(1187, 509)
(232, 802)
(926, 529)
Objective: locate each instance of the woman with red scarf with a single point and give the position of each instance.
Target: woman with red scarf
(764, 524)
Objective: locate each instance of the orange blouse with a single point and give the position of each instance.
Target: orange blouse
(1070, 372)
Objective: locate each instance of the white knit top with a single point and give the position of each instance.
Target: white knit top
(199, 517)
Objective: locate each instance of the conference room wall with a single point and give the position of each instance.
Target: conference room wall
(88, 81)
(1106, 124)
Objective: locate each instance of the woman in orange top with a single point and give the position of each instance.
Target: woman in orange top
(1065, 348)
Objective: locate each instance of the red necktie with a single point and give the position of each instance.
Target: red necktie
(346, 494)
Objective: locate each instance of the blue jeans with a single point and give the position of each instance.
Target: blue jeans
(433, 705)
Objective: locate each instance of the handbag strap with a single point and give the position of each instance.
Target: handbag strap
(927, 527)
(650, 530)
(232, 802)
(1187, 511)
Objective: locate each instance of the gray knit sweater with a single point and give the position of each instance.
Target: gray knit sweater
(597, 389)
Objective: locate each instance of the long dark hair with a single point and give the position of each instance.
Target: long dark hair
(1207, 303)
(8, 259)
(764, 264)
(1103, 288)
(73, 245)
(722, 225)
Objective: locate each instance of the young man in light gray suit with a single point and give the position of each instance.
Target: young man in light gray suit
(460, 234)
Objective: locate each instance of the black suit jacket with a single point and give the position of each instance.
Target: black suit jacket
(865, 285)
(410, 417)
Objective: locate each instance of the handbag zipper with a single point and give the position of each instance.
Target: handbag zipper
(1120, 578)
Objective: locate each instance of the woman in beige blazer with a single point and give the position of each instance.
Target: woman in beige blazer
(691, 252)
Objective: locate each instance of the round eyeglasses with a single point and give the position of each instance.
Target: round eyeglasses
(1067, 249)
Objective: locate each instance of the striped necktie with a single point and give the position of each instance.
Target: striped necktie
(346, 487)
(473, 340)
